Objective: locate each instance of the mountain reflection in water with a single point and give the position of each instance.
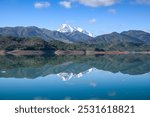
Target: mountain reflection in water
(85, 77)
(36, 66)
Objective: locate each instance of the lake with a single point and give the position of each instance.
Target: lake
(103, 77)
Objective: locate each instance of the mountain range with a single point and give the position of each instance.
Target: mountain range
(66, 33)
(127, 40)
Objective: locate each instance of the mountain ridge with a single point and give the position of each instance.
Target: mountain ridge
(46, 34)
(132, 40)
(66, 36)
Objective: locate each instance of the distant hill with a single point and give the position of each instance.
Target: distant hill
(141, 35)
(123, 41)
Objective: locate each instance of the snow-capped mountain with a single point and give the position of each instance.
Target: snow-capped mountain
(65, 28)
(68, 76)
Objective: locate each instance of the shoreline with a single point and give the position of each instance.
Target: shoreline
(68, 52)
(21, 52)
(61, 52)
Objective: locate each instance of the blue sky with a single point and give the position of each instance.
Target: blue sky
(97, 16)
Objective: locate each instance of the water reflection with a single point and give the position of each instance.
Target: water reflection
(71, 66)
(75, 77)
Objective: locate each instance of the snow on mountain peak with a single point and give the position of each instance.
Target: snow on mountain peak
(68, 76)
(65, 28)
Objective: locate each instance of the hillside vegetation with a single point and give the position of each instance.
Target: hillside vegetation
(15, 43)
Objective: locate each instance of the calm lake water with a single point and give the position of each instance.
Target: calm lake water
(110, 77)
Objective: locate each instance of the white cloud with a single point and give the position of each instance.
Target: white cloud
(143, 1)
(112, 11)
(97, 3)
(92, 21)
(41, 5)
(66, 4)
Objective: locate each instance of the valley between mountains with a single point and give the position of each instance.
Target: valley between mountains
(71, 40)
